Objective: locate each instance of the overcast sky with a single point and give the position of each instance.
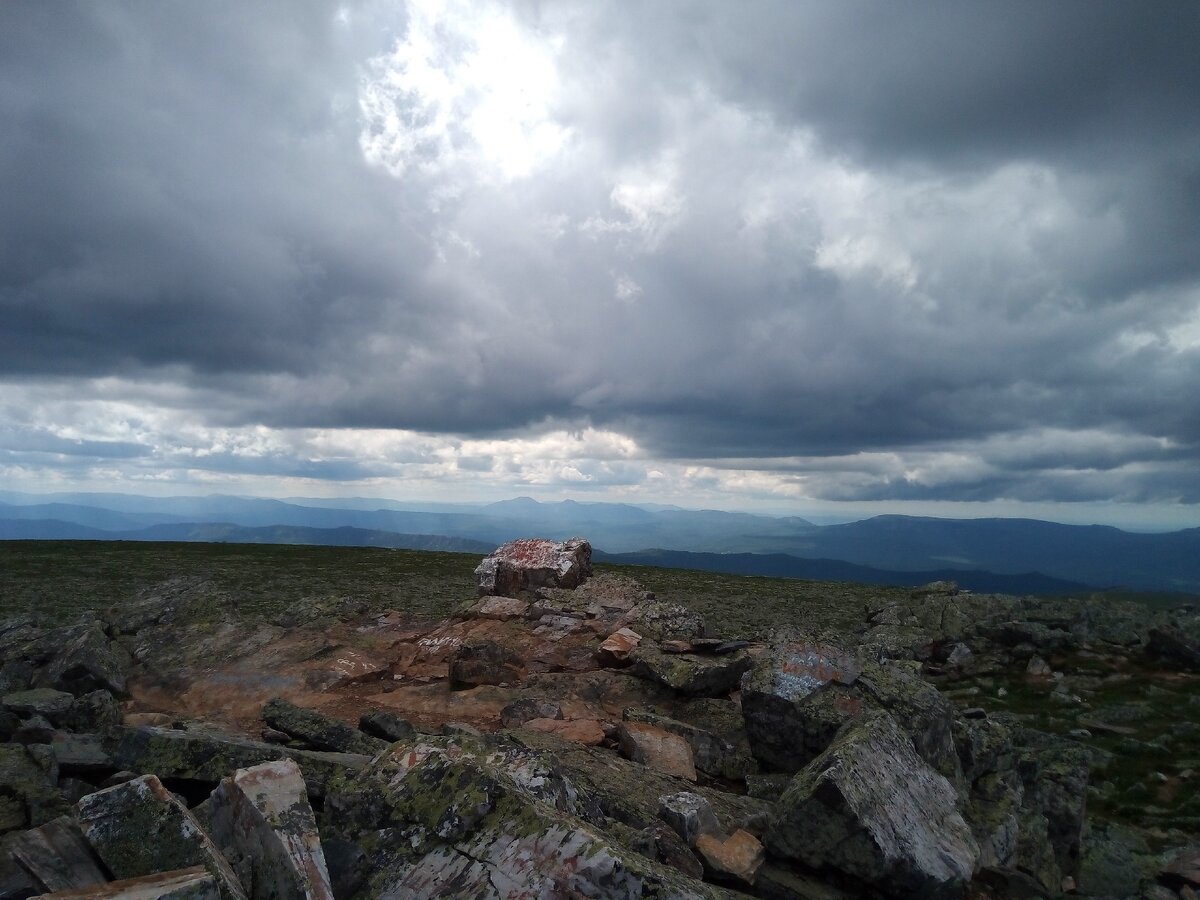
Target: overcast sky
(797, 256)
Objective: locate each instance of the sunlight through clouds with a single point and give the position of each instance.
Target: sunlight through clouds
(464, 86)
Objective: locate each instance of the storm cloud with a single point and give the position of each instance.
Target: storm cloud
(832, 250)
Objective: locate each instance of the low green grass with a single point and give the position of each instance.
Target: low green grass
(62, 579)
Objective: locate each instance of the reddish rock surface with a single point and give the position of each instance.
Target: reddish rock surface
(736, 858)
(532, 563)
(660, 750)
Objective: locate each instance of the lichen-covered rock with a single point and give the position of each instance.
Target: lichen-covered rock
(692, 674)
(261, 820)
(486, 818)
(797, 697)
(90, 661)
(57, 856)
(93, 712)
(870, 808)
(52, 704)
(1115, 862)
(1056, 780)
(532, 563)
(656, 748)
(319, 731)
(484, 662)
(209, 757)
(140, 828)
(387, 726)
(35, 798)
(662, 621)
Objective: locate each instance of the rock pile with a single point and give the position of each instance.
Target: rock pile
(563, 735)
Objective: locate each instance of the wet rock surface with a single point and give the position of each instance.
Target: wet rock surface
(573, 735)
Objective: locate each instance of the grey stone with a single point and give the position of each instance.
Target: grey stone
(387, 726)
(261, 819)
(57, 856)
(319, 731)
(517, 713)
(25, 781)
(689, 815)
(139, 828)
(88, 662)
(691, 674)
(869, 807)
(49, 703)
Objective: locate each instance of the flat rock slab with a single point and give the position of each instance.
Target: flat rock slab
(657, 749)
(185, 884)
(690, 674)
(139, 828)
(872, 809)
(532, 563)
(48, 702)
(261, 819)
(322, 732)
(57, 856)
(209, 757)
(580, 731)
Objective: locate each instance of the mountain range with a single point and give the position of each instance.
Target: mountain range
(1015, 555)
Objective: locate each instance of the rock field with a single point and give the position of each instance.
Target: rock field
(566, 734)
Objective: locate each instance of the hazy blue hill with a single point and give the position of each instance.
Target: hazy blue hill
(784, 566)
(50, 530)
(1095, 554)
(93, 516)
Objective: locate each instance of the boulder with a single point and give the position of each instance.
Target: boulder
(656, 748)
(871, 808)
(735, 859)
(49, 703)
(387, 726)
(532, 563)
(1173, 648)
(662, 621)
(691, 674)
(30, 789)
(140, 828)
(618, 647)
(797, 697)
(88, 662)
(318, 731)
(57, 856)
(484, 662)
(262, 822)
(208, 757)
(489, 817)
(92, 712)
(720, 749)
(517, 713)
(689, 815)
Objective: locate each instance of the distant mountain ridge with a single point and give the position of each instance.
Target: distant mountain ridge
(1095, 556)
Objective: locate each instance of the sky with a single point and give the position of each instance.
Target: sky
(799, 257)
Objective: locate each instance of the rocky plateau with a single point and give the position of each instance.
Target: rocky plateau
(566, 734)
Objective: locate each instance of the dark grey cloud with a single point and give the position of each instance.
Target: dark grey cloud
(770, 232)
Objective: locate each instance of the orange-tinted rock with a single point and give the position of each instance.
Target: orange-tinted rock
(581, 731)
(157, 720)
(352, 667)
(736, 858)
(657, 749)
(619, 646)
